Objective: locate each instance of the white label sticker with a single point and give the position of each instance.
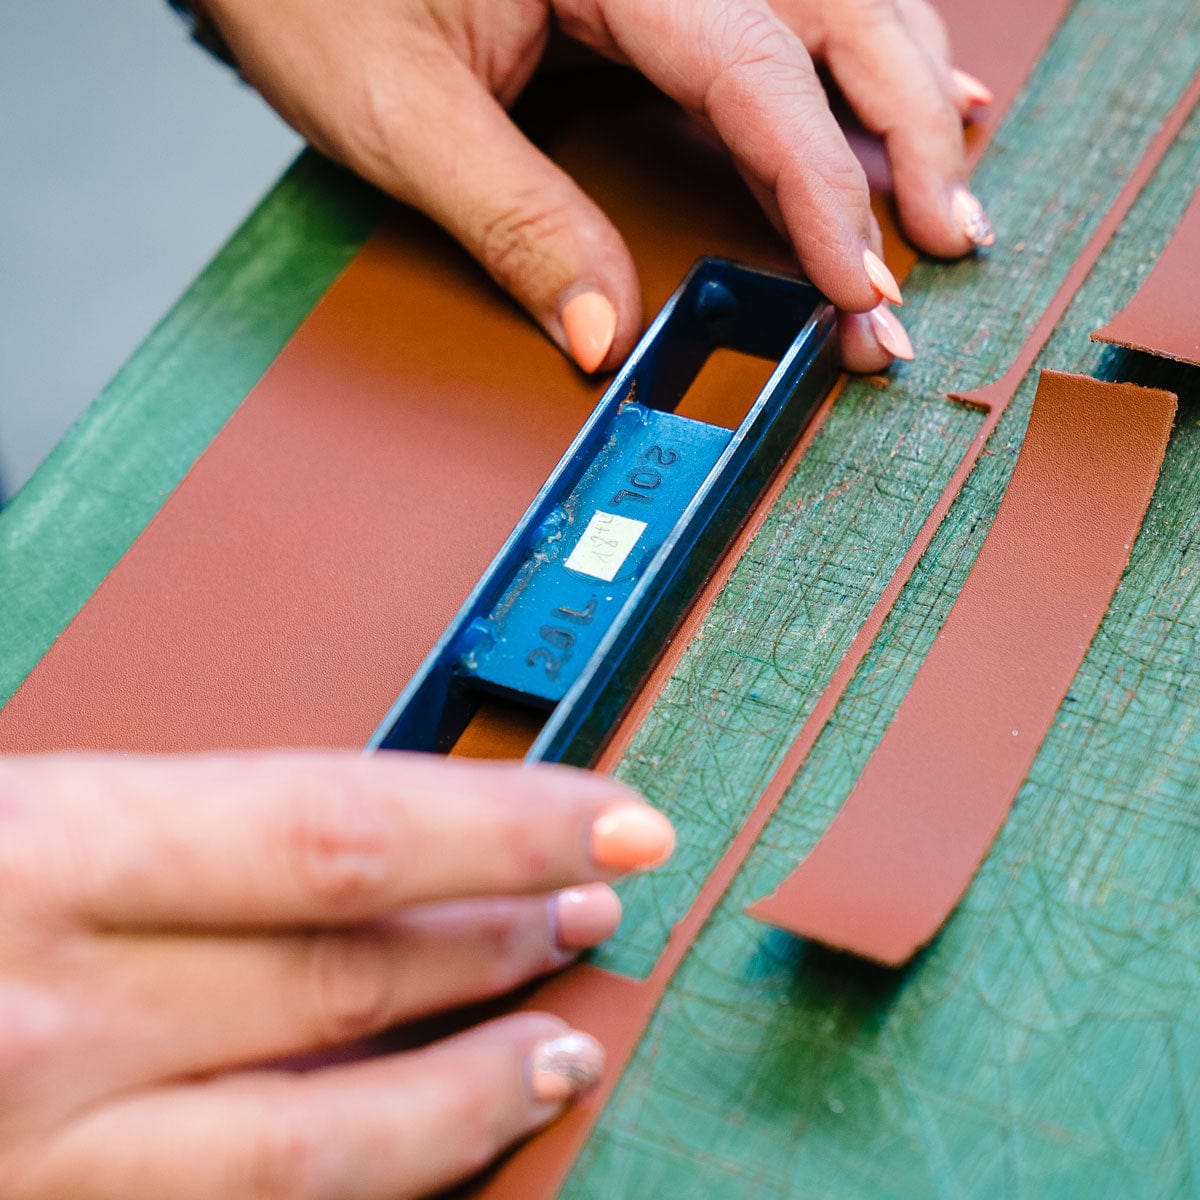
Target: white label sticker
(605, 545)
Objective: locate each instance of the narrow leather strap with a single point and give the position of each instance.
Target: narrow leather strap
(905, 845)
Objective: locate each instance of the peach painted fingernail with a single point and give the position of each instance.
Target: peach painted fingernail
(889, 333)
(585, 916)
(590, 322)
(562, 1067)
(631, 837)
(971, 218)
(974, 91)
(882, 280)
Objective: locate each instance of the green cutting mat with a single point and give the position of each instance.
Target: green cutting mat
(1048, 1044)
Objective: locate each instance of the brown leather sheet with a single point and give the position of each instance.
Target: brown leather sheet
(288, 588)
(1163, 317)
(905, 845)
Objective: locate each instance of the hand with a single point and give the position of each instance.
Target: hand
(168, 926)
(411, 95)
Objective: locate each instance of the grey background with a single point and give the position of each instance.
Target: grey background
(127, 156)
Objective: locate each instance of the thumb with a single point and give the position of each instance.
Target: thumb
(540, 237)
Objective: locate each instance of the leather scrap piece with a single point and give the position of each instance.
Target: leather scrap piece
(923, 814)
(1163, 318)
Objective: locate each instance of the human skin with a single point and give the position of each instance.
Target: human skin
(172, 927)
(412, 95)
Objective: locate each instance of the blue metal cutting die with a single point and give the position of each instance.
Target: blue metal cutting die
(585, 593)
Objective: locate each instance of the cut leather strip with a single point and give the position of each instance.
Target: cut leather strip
(918, 823)
(1163, 318)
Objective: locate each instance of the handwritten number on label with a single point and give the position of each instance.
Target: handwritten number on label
(602, 547)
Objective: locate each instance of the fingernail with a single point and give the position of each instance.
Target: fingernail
(971, 218)
(882, 280)
(889, 333)
(974, 90)
(562, 1067)
(585, 916)
(590, 322)
(631, 837)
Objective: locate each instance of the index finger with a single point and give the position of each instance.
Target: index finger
(748, 75)
(319, 839)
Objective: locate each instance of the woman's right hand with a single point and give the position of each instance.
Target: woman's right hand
(170, 927)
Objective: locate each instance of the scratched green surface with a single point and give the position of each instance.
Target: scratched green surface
(1048, 1044)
